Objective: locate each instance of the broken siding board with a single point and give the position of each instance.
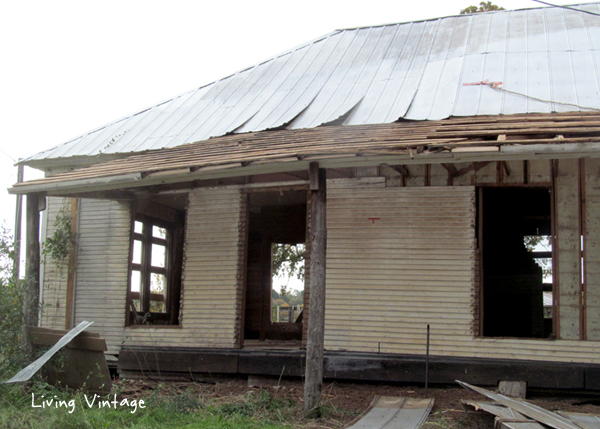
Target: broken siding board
(101, 282)
(54, 298)
(592, 247)
(568, 248)
(211, 301)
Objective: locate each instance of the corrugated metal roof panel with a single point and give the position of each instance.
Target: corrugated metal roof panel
(548, 59)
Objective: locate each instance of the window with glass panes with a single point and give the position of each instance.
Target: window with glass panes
(149, 283)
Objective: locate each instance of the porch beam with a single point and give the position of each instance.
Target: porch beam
(313, 384)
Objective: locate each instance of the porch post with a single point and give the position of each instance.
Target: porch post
(32, 266)
(313, 383)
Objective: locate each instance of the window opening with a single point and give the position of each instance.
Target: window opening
(155, 265)
(517, 262)
(287, 283)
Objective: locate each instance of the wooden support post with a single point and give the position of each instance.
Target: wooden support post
(31, 303)
(70, 305)
(18, 217)
(313, 383)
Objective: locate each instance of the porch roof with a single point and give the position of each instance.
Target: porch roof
(445, 141)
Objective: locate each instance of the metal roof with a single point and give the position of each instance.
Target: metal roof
(547, 60)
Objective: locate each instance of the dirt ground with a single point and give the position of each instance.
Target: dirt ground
(346, 402)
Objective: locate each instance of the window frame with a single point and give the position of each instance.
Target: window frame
(144, 315)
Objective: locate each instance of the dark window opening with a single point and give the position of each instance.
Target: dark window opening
(517, 262)
(275, 219)
(155, 264)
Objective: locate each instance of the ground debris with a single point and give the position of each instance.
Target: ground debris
(343, 403)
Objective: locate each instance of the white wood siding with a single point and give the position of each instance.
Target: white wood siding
(102, 268)
(211, 305)
(569, 260)
(415, 266)
(54, 292)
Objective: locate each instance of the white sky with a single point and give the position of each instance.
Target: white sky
(67, 67)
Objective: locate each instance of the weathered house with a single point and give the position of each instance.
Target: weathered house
(447, 144)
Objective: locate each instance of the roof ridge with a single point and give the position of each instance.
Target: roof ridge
(464, 15)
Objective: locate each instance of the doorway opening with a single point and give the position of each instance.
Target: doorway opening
(516, 228)
(274, 293)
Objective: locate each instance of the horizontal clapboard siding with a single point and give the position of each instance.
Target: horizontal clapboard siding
(386, 281)
(54, 293)
(397, 260)
(211, 305)
(102, 268)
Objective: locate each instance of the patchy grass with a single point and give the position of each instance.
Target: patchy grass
(163, 406)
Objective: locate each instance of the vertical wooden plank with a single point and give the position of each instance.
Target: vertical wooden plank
(242, 265)
(569, 253)
(70, 310)
(581, 219)
(480, 260)
(592, 247)
(18, 216)
(266, 281)
(316, 322)
(313, 176)
(306, 310)
(31, 302)
(553, 165)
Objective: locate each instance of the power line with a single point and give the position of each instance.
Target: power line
(567, 7)
(498, 88)
(7, 155)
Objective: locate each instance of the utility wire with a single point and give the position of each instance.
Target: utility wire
(7, 155)
(567, 7)
(499, 88)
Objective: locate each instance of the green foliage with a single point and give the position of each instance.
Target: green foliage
(484, 6)
(59, 245)
(184, 403)
(266, 406)
(12, 292)
(288, 260)
(164, 408)
(295, 297)
(543, 243)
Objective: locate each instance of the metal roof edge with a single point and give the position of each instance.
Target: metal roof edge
(76, 161)
(271, 58)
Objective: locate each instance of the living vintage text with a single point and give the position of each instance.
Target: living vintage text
(91, 401)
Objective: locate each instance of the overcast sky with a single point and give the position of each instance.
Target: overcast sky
(68, 67)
